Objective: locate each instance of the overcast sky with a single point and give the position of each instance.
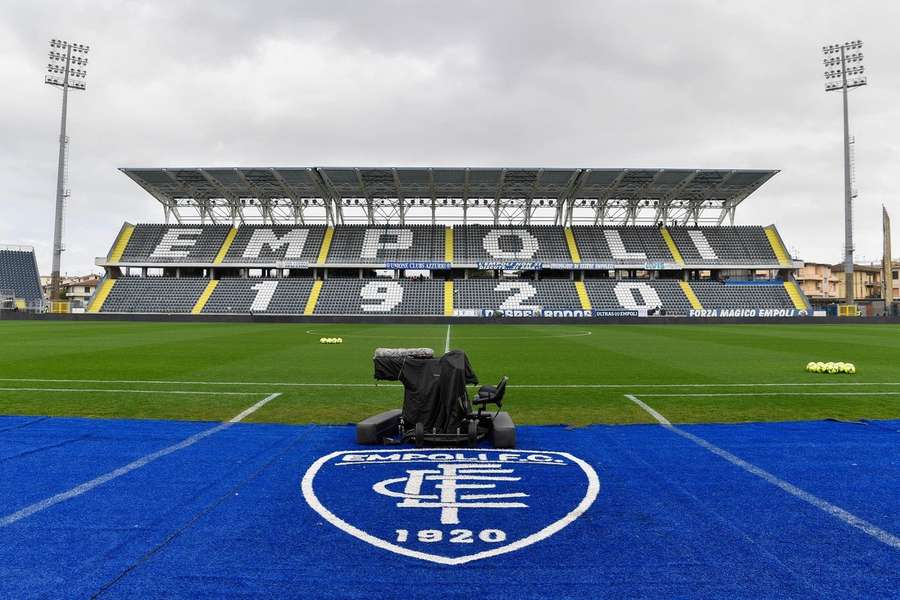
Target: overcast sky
(703, 84)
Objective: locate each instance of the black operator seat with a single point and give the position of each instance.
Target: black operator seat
(491, 394)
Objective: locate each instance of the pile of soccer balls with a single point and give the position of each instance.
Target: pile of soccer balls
(831, 367)
(331, 340)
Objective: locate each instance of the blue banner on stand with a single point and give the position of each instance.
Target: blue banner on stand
(510, 265)
(419, 266)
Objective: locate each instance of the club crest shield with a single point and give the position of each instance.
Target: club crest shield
(450, 506)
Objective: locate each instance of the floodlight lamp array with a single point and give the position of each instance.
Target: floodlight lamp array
(835, 48)
(51, 68)
(837, 72)
(64, 45)
(61, 56)
(59, 81)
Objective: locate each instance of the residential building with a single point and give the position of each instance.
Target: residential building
(79, 291)
(818, 282)
(76, 290)
(866, 281)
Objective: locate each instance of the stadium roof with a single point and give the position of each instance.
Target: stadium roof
(436, 194)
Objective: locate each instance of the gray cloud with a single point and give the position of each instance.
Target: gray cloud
(615, 83)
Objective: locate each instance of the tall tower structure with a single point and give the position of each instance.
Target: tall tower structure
(66, 70)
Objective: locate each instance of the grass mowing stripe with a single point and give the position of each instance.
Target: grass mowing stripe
(573, 380)
(384, 384)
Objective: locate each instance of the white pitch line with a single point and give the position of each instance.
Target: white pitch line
(521, 385)
(700, 385)
(30, 389)
(577, 333)
(835, 511)
(228, 383)
(87, 486)
(447, 342)
(728, 395)
(660, 419)
(249, 411)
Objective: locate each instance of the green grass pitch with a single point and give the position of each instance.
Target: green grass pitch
(572, 374)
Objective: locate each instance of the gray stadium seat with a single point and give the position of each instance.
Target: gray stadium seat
(489, 243)
(369, 244)
(259, 296)
(621, 245)
(154, 295)
(422, 297)
(739, 245)
(637, 294)
(19, 275)
(515, 294)
(175, 243)
(717, 295)
(270, 243)
(381, 297)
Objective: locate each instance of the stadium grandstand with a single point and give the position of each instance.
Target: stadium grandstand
(449, 242)
(20, 283)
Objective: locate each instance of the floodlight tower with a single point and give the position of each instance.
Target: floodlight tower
(844, 70)
(65, 71)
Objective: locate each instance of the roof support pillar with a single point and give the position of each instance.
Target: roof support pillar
(465, 197)
(498, 195)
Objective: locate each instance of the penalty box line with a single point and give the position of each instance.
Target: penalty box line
(134, 465)
(835, 511)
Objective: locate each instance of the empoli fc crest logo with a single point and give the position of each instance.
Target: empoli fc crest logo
(450, 506)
